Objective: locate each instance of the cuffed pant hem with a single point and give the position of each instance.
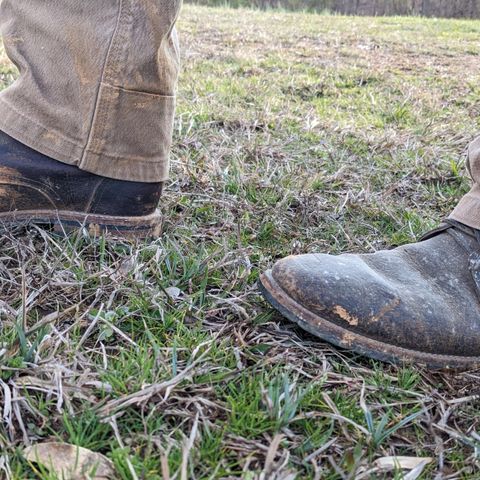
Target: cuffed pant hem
(54, 145)
(43, 140)
(145, 171)
(468, 209)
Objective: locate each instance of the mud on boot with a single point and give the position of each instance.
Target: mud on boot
(416, 303)
(35, 188)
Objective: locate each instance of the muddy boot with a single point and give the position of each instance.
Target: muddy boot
(35, 188)
(416, 303)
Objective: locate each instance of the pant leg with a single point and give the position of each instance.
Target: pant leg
(97, 82)
(468, 209)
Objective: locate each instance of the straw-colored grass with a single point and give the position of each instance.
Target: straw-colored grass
(295, 133)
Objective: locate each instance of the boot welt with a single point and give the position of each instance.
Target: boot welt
(149, 226)
(341, 337)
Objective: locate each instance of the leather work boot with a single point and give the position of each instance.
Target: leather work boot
(416, 303)
(35, 188)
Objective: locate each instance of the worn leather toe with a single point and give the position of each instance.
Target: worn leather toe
(420, 298)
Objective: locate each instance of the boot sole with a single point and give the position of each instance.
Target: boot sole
(348, 340)
(149, 226)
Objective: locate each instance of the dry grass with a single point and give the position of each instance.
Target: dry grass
(295, 133)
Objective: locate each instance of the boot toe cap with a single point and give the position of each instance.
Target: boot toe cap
(384, 299)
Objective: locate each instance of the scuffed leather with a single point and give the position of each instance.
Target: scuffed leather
(474, 267)
(31, 181)
(421, 296)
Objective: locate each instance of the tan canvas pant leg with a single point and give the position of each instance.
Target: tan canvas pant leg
(468, 210)
(97, 82)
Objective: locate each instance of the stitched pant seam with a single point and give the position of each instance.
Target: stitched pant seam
(99, 114)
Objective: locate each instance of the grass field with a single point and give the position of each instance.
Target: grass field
(295, 133)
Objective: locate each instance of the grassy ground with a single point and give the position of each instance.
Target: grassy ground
(295, 133)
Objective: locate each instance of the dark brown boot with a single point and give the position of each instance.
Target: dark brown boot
(419, 302)
(35, 188)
